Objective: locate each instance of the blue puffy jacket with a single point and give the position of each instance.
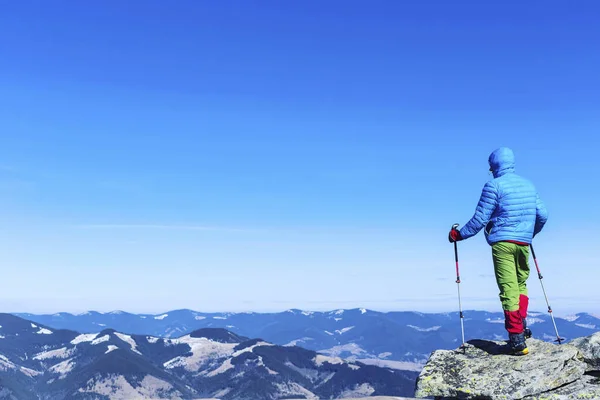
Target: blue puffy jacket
(510, 208)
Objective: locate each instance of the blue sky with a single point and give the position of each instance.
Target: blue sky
(233, 156)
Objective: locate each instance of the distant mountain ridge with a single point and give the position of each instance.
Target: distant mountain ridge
(39, 362)
(383, 338)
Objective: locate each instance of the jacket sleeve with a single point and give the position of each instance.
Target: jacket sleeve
(486, 206)
(541, 216)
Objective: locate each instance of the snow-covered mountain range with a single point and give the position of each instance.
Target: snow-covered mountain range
(38, 361)
(399, 339)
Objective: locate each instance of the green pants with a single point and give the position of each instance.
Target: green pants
(511, 265)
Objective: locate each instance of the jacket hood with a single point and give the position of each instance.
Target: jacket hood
(501, 161)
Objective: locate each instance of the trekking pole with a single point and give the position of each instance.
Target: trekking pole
(462, 326)
(558, 338)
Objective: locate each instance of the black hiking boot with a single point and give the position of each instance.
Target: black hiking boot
(526, 330)
(517, 344)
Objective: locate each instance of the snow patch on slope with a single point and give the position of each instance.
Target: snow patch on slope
(111, 347)
(63, 368)
(343, 330)
(310, 373)
(271, 372)
(203, 351)
(63, 352)
(226, 366)
(129, 340)
(532, 321)
(102, 339)
(30, 372)
(6, 364)
(289, 389)
(116, 387)
(296, 341)
(86, 337)
(161, 317)
(44, 331)
(320, 359)
(250, 349)
(535, 314)
(222, 393)
(433, 328)
(351, 348)
(588, 326)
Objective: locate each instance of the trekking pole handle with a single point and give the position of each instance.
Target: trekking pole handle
(456, 256)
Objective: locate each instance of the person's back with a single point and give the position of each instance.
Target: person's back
(510, 208)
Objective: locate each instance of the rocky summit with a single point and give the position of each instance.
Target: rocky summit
(484, 370)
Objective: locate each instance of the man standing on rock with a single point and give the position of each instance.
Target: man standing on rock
(512, 213)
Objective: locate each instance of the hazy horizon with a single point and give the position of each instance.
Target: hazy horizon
(558, 312)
